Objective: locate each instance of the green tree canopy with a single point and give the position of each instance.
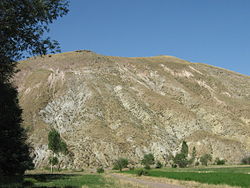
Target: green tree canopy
(120, 164)
(56, 144)
(193, 156)
(23, 25)
(184, 148)
(148, 159)
(181, 160)
(205, 159)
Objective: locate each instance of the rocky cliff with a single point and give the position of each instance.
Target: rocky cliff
(108, 107)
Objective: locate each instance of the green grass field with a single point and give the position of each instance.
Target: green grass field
(61, 180)
(234, 176)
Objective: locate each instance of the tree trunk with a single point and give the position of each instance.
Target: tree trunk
(51, 168)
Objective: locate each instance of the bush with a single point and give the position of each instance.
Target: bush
(120, 164)
(142, 172)
(131, 168)
(100, 170)
(245, 160)
(197, 163)
(205, 158)
(174, 165)
(219, 161)
(158, 164)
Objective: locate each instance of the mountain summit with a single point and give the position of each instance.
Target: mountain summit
(108, 107)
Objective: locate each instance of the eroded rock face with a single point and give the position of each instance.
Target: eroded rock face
(109, 107)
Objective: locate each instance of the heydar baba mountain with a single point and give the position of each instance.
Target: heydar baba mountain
(109, 107)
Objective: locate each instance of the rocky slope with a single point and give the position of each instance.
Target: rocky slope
(108, 107)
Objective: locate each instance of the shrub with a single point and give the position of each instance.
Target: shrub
(219, 161)
(120, 164)
(158, 164)
(131, 168)
(100, 170)
(205, 158)
(142, 172)
(197, 163)
(174, 165)
(245, 160)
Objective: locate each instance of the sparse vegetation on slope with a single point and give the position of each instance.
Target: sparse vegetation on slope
(106, 107)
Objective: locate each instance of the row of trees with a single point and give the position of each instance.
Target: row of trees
(181, 159)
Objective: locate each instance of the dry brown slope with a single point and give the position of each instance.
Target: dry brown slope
(109, 107)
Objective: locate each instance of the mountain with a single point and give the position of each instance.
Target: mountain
(108, 107)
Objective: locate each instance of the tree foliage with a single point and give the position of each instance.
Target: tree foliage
(158, 164)
(193, 156)
(148, 159)
(181, 158)
(23, 24)
(100, 170)
(204, 159)
(53, 161)
(219, 161)
(184, 148)
(246, 160)
(120, 163)
(56, 144)
(14, 152)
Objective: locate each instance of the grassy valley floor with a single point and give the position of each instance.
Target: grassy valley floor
(233, 176)
(206, 177)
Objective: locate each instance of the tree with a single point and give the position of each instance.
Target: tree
(184, 148)
(120, 164)
(53, 161)
(23, 24)
(205, 159)
(181, 160)
(14, 152)
(56, 145)
(148, 160)
(245, 160)
(193, 156)
(158, 164)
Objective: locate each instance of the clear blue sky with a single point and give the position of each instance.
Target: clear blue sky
(216, 32)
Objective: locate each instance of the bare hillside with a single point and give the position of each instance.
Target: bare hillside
(109, 107)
